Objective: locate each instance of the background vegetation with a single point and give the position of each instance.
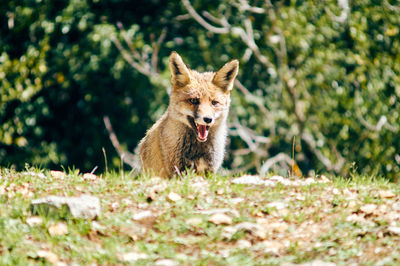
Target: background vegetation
(319, 80)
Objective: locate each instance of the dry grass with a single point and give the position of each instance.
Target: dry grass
(198, 220)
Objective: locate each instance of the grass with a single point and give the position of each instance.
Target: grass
(343, 221)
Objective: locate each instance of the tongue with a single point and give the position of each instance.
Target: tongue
(202, 132)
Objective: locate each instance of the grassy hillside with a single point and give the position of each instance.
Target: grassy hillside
(197, 220)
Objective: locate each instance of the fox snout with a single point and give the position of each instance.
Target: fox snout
(205, 113)
(208, 120)
(201, 125)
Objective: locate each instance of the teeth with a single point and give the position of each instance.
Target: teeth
(202, 132)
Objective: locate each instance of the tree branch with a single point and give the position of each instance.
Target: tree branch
(156, 48)
(308, 138)
(280, 157)
(127, 157)
(201, 21)
(243, 5)
(251, 98)
(382, 122)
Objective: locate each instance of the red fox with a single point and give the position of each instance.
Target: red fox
(192, 132)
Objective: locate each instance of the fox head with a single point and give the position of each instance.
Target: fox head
(200, 100)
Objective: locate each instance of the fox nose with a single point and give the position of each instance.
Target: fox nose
(208, 120)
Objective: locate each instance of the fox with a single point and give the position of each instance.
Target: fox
(192, 133)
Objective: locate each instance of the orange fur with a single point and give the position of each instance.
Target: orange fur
(192, 132)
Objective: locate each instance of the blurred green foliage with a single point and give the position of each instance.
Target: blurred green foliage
(328, 76)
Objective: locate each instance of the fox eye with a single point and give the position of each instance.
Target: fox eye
(215, 103)
(194, 101)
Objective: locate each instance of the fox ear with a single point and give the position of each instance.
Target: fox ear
(180, 75)
(226, 75)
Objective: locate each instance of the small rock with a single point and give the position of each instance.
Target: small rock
(228, 232)
(58, 229)
(48, 255)
(252, 228)
(143, 205)
(132, 256)
(352, 204)
(194, 221)
(142, 215)
(253, 180)
(236, 200)
(283, 181)
(220, 191)
(159, 187)
(269, 183)
(318, 263)
(394, 230)
(127, 202)
(386, 261)
(151, 196)
(85, 206)
(386, 194)
(57, 174)
(309, 180)
(277, 178)
(223, 252)
(393, 216)
(278, 227)
(255, 229)
(368, 208)
(223, 210)
(272, 247)
(200, 185)
(114, 206)
(152, 192)
(324, 179)
(220, 218)
(349, 195)
(243, 243)
(209, 200)
(172, 196)
(378, 250)
(157, 180)
(335, 191)
(279, 205)
(89, 176)
(34, 220)
(354, 218)
(248, 180)
(98, 227)
(134, 232)
(301, 198)
(396, 206)
(40, 175)
(382, 209)
(166, 262)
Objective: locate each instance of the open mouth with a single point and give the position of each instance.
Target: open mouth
(201, 130)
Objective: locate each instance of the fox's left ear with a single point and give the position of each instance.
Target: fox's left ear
(226, 75)
(180, 75)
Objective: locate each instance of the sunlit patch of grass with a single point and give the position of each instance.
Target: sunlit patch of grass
(314, 219)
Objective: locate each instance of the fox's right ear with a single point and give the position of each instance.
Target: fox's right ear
(180, 75)
(226, 75)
